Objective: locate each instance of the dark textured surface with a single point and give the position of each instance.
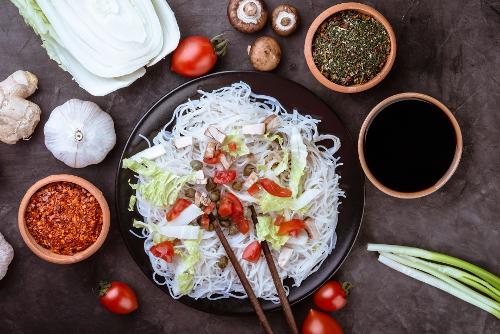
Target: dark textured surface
(448, 49)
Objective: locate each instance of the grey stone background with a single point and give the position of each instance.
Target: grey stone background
(448, 49)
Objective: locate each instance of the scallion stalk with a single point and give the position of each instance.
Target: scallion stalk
(441, 258)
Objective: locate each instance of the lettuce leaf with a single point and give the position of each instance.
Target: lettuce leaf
(298, 163)
(269, 203)
(131, 203)
(163, 187)
(241, 147)
(266, 230)
(185, 269)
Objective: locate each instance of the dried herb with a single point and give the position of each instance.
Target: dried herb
(350, 48)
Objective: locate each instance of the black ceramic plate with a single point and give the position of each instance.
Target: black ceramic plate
(291, 95)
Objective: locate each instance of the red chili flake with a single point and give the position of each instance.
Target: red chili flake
(64, 218)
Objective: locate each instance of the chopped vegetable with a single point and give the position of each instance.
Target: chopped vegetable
(164, 250)
(267, 231)
(299, 160)
(210, 150)
(251, 180)
(224, 177)
(213, 160)
(241, 222)
(235, 145)
(205, 222)
(254, 189)
(287, 227)
(184, 273)
(225, 161)
(178, 207)
(186, 215)
(131, 203)
(182, 232)
(150, 153)
(216, 134)
(298, 240)
(117, 297)
(275, 189)
(408, 260)
(252, 252)
(183, 142)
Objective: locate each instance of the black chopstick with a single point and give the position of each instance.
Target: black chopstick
(277, 281)
(243, 279)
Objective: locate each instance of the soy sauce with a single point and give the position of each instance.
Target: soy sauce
(410, 145)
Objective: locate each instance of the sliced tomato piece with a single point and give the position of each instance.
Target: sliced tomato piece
(254, 189)
(275, 189)
(205, 221)
(225, 207)
(232, 147)
(224, 176)
(235, 202)
(164, 250)
(242, 224)
(215, 160)
(294, 225)
(279, 220)
(209, 208)
(252, 252)
(178, 207)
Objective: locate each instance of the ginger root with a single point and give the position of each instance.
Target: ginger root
(18, 116)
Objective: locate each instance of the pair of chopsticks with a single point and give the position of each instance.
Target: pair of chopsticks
(248, 287)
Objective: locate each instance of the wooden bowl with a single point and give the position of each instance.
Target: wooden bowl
(451, 169)
(46, 254)
(312, 32)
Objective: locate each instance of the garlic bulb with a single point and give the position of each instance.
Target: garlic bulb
(6, 256)
(79, 133)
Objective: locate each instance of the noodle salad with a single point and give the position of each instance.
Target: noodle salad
(225, 151)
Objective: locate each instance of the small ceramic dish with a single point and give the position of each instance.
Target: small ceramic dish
(46, 254)
(456, 156)
(312, 32)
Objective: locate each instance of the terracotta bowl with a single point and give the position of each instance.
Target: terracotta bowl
(312, 32)
(46, 254)
(456, 158)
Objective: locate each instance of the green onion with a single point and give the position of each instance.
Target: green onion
(408, 260)
(438, 257)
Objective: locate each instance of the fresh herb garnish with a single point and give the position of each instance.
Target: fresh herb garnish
(350, 48)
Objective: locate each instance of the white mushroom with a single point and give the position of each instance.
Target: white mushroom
(216, 134)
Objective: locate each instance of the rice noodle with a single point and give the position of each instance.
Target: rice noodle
(229, 108)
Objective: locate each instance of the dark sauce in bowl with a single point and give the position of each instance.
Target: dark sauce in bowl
(410, 145)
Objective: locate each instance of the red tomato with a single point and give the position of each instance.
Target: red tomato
(320, 323)
(205, 222)
(209, 208)
(164, 250)
(252, 252)
(232, 147)
(225, 207)
(291, 226)
(275, 189)
(195, 56)
(224, 176)
(117, 297)
(236, 204)
(242, 223)
(254, 189)
(215, 160)
(332, 296)
(178, 207)
(279, 220)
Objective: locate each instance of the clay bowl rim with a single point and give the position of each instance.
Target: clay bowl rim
(46, 254)
(456, 158)
(325, 15)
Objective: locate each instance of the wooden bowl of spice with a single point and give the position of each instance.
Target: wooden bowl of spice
(350, 47)
(63, 219)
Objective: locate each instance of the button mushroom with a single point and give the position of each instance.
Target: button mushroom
(247, 16)
(285, 19)
(265, 54)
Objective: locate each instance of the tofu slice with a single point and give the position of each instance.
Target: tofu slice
(182, 142)
(254, 129)
(150, 153)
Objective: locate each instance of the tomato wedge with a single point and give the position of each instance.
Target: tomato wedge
(237, 207)
(209, 208)
(279, 220)
(275, 189)
(230, 206)
(252, 252)
(254, 189)
(164, 250)
(224, 176)
(215, 160)
(178, 207)
(291, 226)
(205, 222)
(241, 223)
(225, 207)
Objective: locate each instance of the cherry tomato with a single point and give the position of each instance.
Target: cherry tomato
(332, 296)
(164, 250)
(224, 176)
(252, 252)
(232, 147)
(291, 226)
(242, 223)
(117, 297)
(320, 323)
(275, 189)
(254, 189)
(215, 160)
(178, 207)
(279, 220)
(197, 55)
